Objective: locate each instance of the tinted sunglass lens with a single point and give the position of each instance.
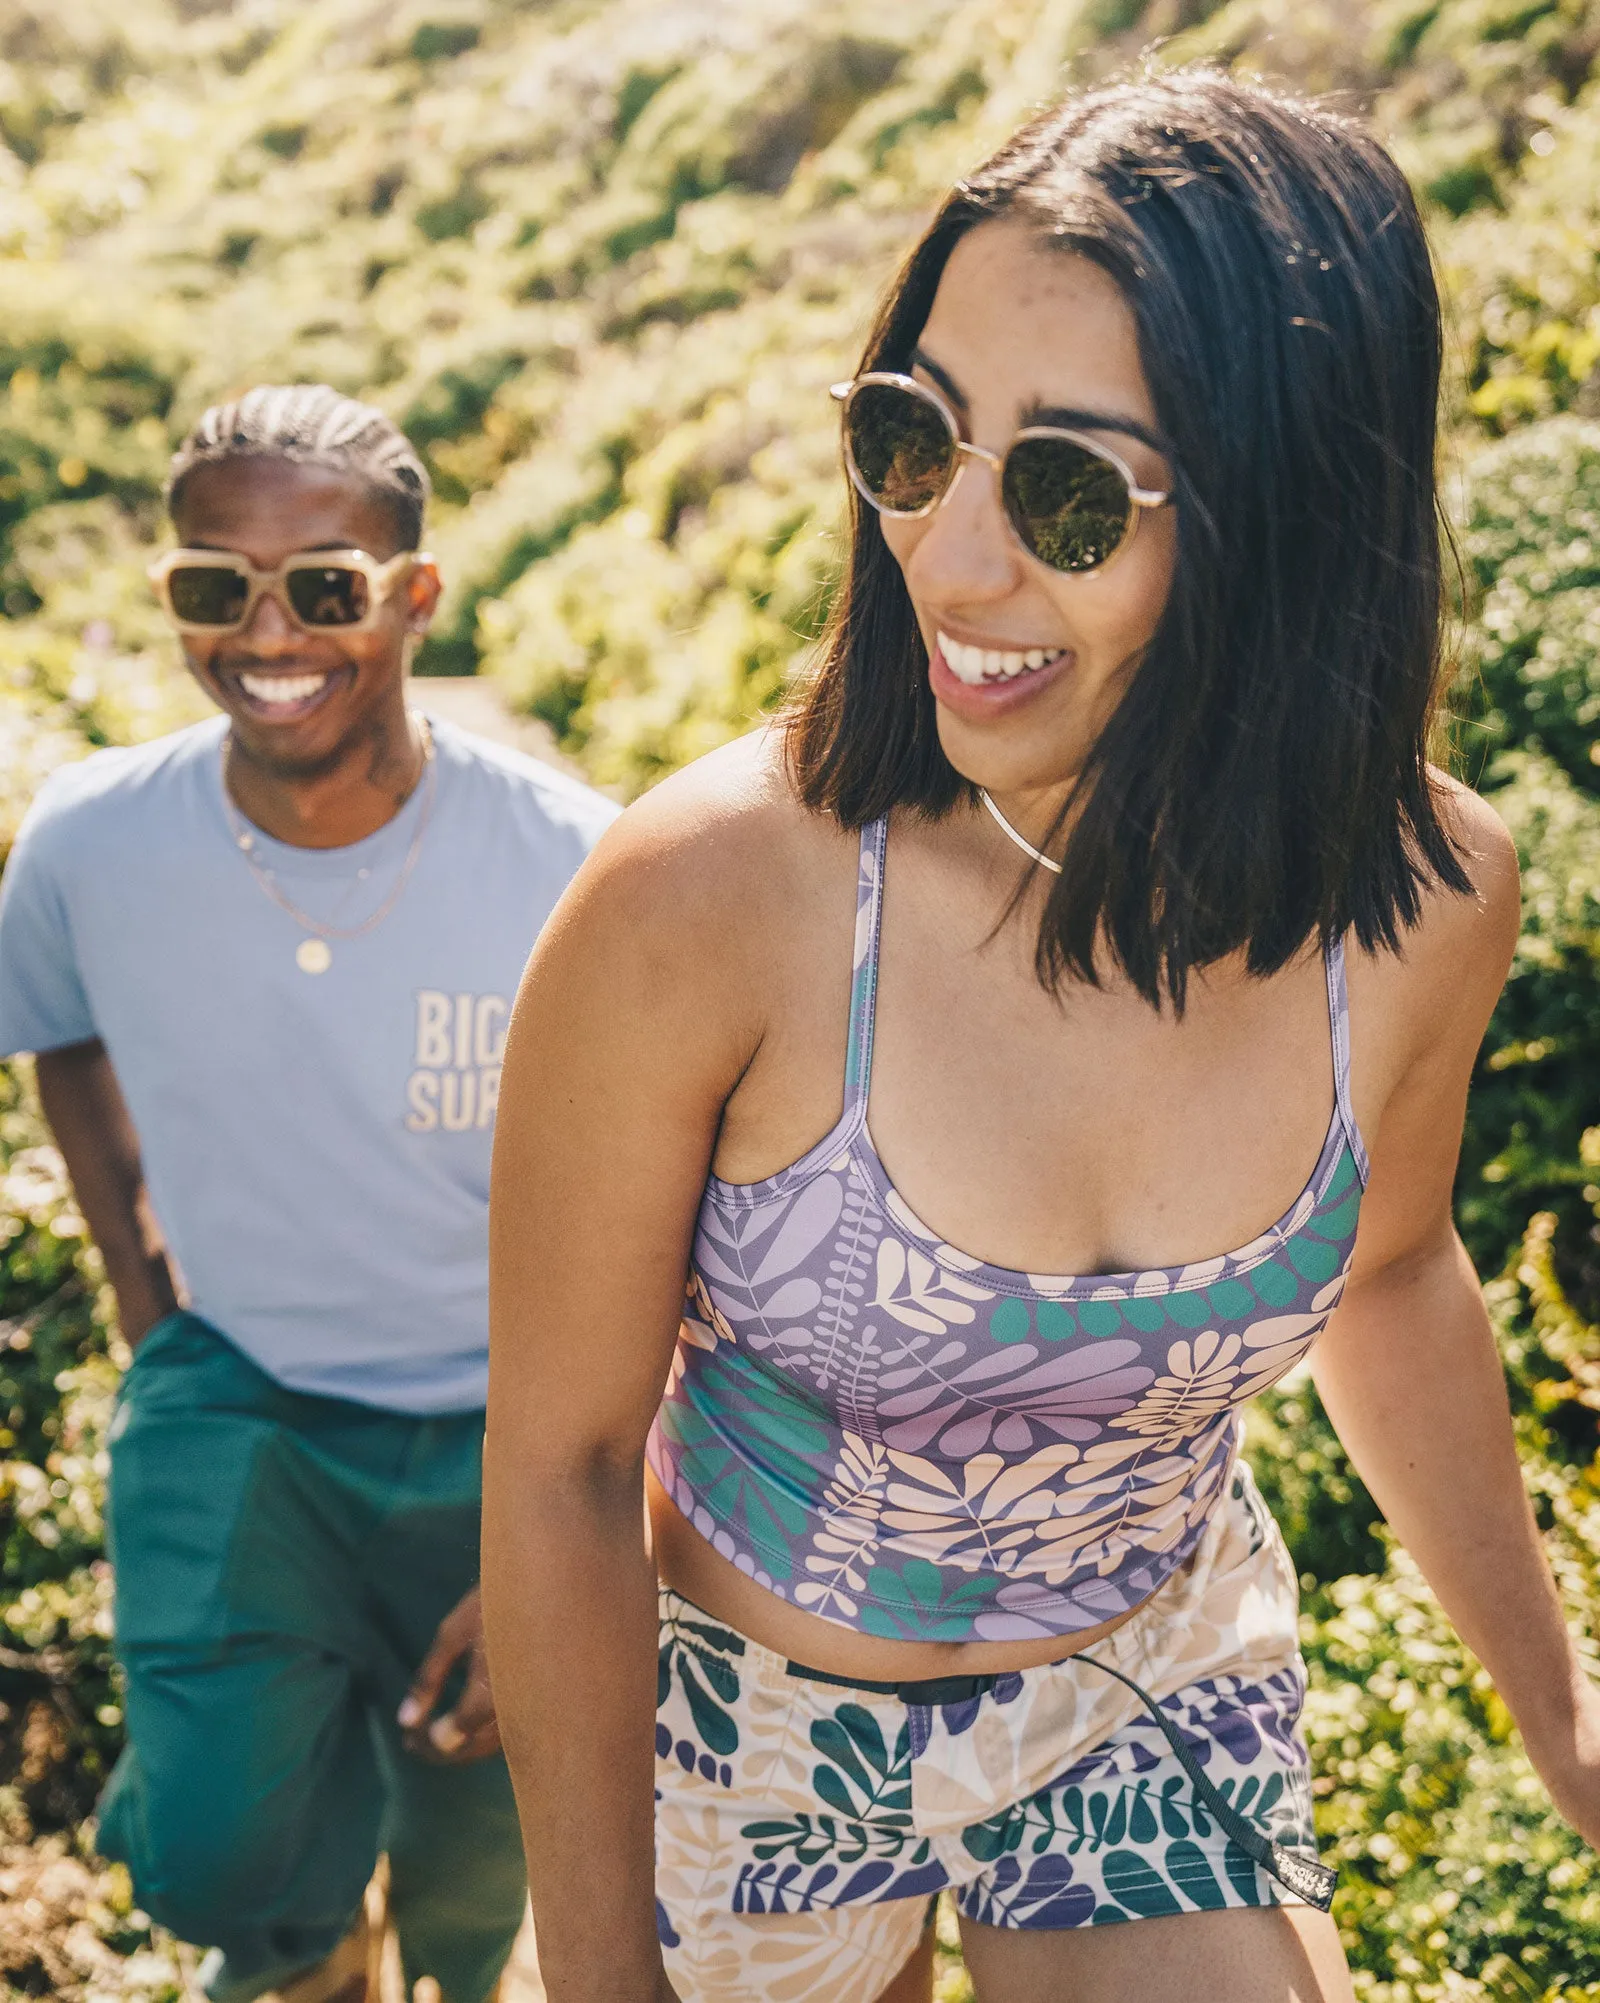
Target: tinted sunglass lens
(208, 595)
(901, 447)
(1071, 507)
(327, 594)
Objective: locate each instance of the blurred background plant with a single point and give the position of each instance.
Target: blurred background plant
(602, 258)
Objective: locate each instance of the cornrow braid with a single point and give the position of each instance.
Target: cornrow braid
(314, 426)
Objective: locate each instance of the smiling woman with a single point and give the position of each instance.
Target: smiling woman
(1257, 331)
(996, 1191)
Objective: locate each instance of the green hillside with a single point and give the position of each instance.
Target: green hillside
(602, 259)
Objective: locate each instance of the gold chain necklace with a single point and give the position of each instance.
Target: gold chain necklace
(1022, 842)
(314, 955)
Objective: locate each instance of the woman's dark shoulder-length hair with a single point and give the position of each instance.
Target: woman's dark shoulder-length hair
(1264, 777)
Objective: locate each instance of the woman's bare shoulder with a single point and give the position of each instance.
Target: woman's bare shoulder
(1443, 981)
(1474, 931)
(721, 852)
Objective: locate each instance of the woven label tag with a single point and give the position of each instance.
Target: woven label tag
(1304, 1876)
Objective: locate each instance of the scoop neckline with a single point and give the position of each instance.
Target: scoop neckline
(850, 1144)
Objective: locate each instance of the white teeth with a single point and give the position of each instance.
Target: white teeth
(281, 688)
(975, 665)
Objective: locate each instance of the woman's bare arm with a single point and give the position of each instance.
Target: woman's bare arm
(90, 1121)
(1409, 1371)
(625, 1042)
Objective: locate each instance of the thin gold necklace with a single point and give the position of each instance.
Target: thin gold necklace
(1022, 842)
(314, 955)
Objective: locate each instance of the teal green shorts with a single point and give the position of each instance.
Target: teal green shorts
(282, 1564)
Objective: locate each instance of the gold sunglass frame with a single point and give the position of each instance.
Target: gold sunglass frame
(379, 576)
(1140, 498)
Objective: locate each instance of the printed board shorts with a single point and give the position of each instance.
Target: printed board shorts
(803, 1825)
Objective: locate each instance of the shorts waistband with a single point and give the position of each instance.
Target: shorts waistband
(923, 1690)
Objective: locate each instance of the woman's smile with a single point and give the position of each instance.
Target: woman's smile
(982, 684)
(976, 664)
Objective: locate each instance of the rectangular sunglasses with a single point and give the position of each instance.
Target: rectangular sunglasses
(215, 590)
(1071, 500)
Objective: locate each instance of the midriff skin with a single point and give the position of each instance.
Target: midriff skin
(689, 1565)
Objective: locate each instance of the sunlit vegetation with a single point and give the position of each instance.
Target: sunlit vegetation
(602, 258)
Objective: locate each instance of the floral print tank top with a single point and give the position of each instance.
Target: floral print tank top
(887, 1432)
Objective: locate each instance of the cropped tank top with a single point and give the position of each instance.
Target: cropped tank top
(903, 1439)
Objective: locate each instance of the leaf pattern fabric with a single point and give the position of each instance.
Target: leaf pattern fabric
(802, 1826)
(889, 1433)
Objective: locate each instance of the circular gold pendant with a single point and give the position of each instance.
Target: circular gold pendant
(313, 956)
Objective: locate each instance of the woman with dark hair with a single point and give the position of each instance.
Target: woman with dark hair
(1092, 907)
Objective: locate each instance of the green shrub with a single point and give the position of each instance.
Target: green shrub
(60, 1715)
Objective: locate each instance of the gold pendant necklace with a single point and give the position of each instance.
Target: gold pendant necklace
(314, 954)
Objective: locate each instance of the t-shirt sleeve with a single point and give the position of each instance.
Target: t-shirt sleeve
(42, 1002)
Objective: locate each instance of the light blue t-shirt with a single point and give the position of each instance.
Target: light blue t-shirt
(316, 1145)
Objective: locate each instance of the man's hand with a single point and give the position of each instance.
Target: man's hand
(469, 1732)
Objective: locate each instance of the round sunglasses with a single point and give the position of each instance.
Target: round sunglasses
(215, 591)
(1071, 501)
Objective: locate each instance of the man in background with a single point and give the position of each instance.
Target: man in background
(266, 965)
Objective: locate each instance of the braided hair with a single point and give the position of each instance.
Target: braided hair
(314, 426)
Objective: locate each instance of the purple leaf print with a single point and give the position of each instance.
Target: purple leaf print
(785, 1233)
(795, 1297)
(807, 1220)
(738, 1229)
(891, 1380)
(1065, 1397)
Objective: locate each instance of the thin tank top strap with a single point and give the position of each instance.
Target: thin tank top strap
(1339, 1020)
(864, 981)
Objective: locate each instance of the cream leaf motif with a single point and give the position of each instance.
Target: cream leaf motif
(921, 1295)
(845, 1546)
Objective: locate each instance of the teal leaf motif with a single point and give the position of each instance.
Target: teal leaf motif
(916, 1600)
(1341, 1222)
(1145, 1312)
(1242, 1873)
(923, 1581)
(1273, 1284)
(716, 1727)
(988, 1840)
(1189, 1310)
(1099, 1318)
(722, 1641)
(1054, 1323)
(1231, 1300)
(1141, 1817)
(782, 1436)
(852, 1746)
(811, 1840)
(1312, 1259)
(1191, 1873)
(1173, 1819)
(1009, 1322)
(1130, 1879)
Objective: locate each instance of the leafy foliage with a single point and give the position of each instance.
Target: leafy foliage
(57, 1380)
(602, 258)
